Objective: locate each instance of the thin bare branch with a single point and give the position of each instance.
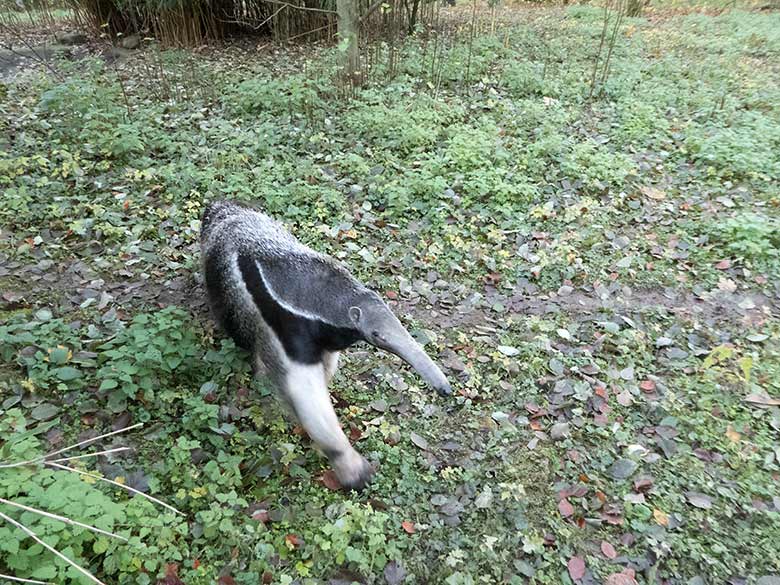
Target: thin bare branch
(69, 447)
(116, 483)
(308, 32)
(306, 8)
(258, 26)
(35, 55)
(20, 580)
(61, 518)
(107, 451)
(371, 9)
(50, 548)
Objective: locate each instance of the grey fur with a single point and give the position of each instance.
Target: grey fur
(325, 289)
(311, 285)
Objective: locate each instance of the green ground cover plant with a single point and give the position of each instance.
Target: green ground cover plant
(599, 278)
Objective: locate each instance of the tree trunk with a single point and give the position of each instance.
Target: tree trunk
(348, 37)
(634, 8)
(413, 17)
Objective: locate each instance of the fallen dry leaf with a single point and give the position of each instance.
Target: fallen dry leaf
(661, 517)
(762, 399)
(292, 541)
(699, 500)
(418, 440)
(330, 481)
(625, 577)
(576, 566)
(727, 285)
(608, 550)
(733, 435)
(261, 515)
(565, 508)
(394, 573)
(647, 385)
(642, 484)
(723, 264)
(624, 398)
(653, 193)
(171, 575)
(408, 527)
(354, 434)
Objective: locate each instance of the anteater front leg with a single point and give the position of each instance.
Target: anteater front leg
(305, 387)
(330, 360)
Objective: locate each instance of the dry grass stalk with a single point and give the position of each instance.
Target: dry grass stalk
(116, 483)
(42, 458)
(50, 548)
(20, 580)
(61, 518)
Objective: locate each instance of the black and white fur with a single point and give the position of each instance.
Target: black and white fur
(295, 310)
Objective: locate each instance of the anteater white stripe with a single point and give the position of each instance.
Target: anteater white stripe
(285, 305)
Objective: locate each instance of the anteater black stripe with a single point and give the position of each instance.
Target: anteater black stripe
(304, 340)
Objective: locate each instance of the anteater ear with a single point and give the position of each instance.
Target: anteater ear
(355, 315)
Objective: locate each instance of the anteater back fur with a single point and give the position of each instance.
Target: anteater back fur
(266, 288)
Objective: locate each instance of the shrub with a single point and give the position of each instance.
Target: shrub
(753, 237)
(356, 534)
(291, 95)
(747, 147)
(90, 114)
(596, 165)
(404, 126)
(65, 493)
(146, 356)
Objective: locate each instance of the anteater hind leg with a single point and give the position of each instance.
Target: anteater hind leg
(305, 388)
(258, 366)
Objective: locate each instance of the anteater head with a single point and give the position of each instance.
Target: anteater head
(380, 327)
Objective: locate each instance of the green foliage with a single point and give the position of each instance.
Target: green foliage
(748, 146)
(50, 344)
(559, 241)
(90, 113)
(482, 164)
(151, 353)
(404, 126)
(358, 535)
(753, 237)
(151, 535)
(597, 166)
(524, 78)
(641, 122)
(290, 95)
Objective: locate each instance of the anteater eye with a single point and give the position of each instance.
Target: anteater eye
(376, 334)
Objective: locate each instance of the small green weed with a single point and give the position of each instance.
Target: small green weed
(753, 237)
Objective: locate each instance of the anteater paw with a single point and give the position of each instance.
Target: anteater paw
(353, 471)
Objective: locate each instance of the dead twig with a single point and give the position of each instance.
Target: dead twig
(50, 548)
(305, 8)
(20, 580)
(61, 518)
(106, 452)
(259, 26)
(34, 55)
(371, 9)
(42, 458)
(116, 483)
